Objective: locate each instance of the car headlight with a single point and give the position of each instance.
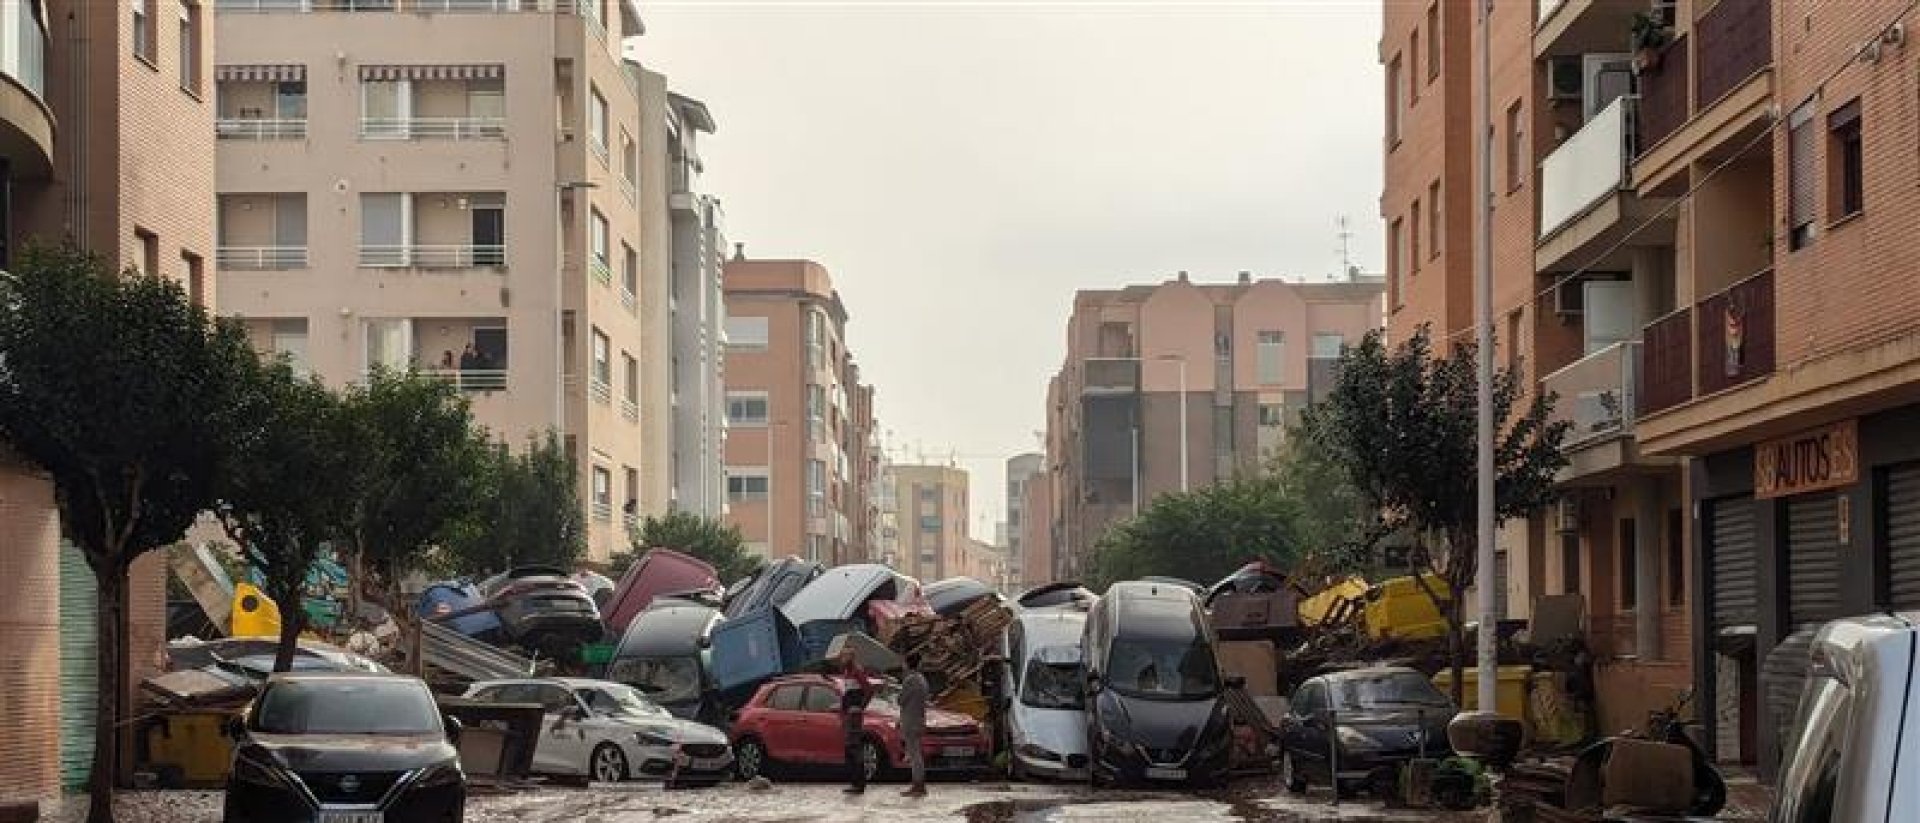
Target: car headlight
(653, 737)
(1351, 738)
(441, 774)
(1037, 752)
(247, 769)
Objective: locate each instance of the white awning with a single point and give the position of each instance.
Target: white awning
(288, 73)
(485, 71)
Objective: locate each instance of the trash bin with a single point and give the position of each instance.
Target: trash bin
(1510, 692)
(190, 746)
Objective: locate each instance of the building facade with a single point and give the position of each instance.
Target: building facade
(792, 425)
(1037, 555)
(1023, 471)
(933, 510)
(698, 308)
(1208, 374)
(453, 189)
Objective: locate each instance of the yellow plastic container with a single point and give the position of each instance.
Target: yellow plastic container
(965, 699)
(1401, 609)
(190, 746)
(1509, 694)
(254, 613)
(1319, 607)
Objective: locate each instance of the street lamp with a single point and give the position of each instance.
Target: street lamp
(559, 301)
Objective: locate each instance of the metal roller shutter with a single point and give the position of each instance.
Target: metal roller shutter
(1813, 559)
(79, 612)
(1734, 554)
(1902, 495)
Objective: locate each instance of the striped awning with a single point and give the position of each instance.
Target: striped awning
(483, 71)
(288, 73)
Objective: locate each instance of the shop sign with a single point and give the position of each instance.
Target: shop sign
(1823, 458)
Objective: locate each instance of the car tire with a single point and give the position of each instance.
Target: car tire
(873, 758)
(1292, 777)
(608, 764)
(750, 759)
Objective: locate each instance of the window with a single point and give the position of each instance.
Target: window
(1433, 219)
(1802, 177)
(1514, 331)
(602, 358)
(629, 160)
(786, 698)
(1269, 357)
(487, 101)
(1676, 559)
(1433, 42)
(385, 106)
(144, 34)
(1327, 345)
(602, 493)
(1396, 267)
(1516, 149)
(1413, 68)
(746, 409)
(1810, 777)
(747, 332)
(597, 238)
(929, 522)
(629, 271)
(820, 698)
(1845, 163)
(1273, 415)
(149, 252)
(290, 100)
(597, 123)
(1393, 102)
(816, 488)
(630, 369)
(194, 272)
(190, 48)
(1413, 240)
(289, 338)
(816, 339)
(633, 490)
(1629, 564)
(816, 411)
(383, 228)
(1570, 563)
(748, 483)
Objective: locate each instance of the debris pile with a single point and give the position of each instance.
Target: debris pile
(954, 648)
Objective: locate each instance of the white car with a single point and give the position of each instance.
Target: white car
(608, 732)
(1045, 687)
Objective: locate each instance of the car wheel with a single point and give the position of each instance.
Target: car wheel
(873, 759)
(609, 764)
(750, 759)
(1290, 776)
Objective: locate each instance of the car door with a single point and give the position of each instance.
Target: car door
(600, 724)
(1307, 729)
(780, 723)
(820, 724)
(563, 742)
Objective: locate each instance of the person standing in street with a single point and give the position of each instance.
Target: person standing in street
(853, 708)
(913, 723)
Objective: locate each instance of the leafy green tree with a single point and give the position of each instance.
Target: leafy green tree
(707, 538)
(1403, 423)
(1337, 527)
(528, 511)
(122, 390)
(1202, 535)
(284, 497)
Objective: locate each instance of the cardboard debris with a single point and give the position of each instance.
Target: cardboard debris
(197, 687)
(953, 647)
(1650, 776)
(866, 651)
(1255, 660)
(1558, 617)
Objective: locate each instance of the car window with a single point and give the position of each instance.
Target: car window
(1385, 690)
(821, 699)
(785, 698)
(554, 699)
(490, 694)
(784, 589)
(347, 706)
(1307, 700)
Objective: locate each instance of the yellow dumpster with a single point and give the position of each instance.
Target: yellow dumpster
(966, 699)
(189, 748)
(254, 613)
(1510, 693)
(1400, 608)
(1319, 607)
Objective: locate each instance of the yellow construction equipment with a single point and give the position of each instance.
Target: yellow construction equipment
(1400, 608)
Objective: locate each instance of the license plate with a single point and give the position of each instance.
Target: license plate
(707, 763)
(1158, 773)
(956, 751)
(353, 817)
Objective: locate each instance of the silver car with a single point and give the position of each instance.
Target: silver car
(1856, 739)
(608, 732)
(1046, 690)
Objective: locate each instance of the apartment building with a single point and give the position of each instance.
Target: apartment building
(1023, 470)
(866, 461)
(697, 306)
(933, 505)
(886, 506)
(1037, 555)
(105, 142)
(455, 188)
(793, 431)
(982, 561)
(1175, 385)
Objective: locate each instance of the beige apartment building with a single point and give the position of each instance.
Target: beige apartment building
(1175, 385)
(454, 187)
(1024, 471)
(106, 141)
(796, 481)
(933, 505)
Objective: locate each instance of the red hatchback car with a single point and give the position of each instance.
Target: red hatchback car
(795, 722)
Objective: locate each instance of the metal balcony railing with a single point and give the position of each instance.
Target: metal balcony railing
(629, 409)
(602, 510)
(627, 188)
(601, 272)
(433, 256)
(1597, 393)
(1666, 363)
(628, 300)
(1590, 166)
(260, 258)
(433, 128)
(601, 391)
(471, 379)
(260, 128)
(1736, 334)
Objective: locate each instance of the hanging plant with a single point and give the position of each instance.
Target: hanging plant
(1648, 38)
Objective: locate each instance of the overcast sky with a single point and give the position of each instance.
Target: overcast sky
(963, 167)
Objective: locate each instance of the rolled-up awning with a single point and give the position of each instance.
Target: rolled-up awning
(285, 73)
(483, 71)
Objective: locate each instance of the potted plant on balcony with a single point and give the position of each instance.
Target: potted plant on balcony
(1648, 39)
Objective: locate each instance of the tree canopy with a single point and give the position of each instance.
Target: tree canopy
(710, 539)
(1202, 535)
(528, 511)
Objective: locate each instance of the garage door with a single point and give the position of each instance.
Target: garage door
(1813, 559)
(1734, 559)
(1902, 516)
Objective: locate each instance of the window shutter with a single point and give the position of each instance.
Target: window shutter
(1802, 167)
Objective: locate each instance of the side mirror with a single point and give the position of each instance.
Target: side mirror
(1093, 682)
(454, 728)
(574, 713)
(1236, 682)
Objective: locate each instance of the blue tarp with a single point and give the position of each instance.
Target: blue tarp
(459, 596)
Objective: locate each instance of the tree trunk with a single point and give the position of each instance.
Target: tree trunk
(293, 619)
(110, 632)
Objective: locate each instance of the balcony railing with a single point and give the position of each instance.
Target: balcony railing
(601, 391)
(1735, 330)
(433, 128)
(599, 148)
(1597, 393)
(601, 272)
(1590, 166)
(602, 510)
(416, 6)
(260, 258)
(1663, 94)
(260, 128)
(471, 379)
(1666, 363)
(432, 257)
(629, 409)
(627, 188)
(1735, 39)
(627, 299)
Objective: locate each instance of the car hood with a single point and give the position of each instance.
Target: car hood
(1156, 724)
(677, 729)
(351, 753)
(1062, 731)
(1396, 729)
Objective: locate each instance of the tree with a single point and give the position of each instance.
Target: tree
(1337, 527)
(710, 539)
(284, 497)
(1404, 425)
(528, 511)
(122, 390)
(1202, 535)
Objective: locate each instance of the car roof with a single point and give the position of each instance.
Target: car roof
(1368, 671)
(1052, 627)
(311, 676)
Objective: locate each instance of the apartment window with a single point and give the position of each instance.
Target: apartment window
(629, 160)
(190, 48)
(194, 269)
(1433, 42)
(1570, 563)
(1270, 357)
(1413, 68)
(1516, 149)
(633, 491)
(389, 343)
(1629, 563)
(1433, 219)
(1396, 266)
(629, 271)
(487, 104)
(1413, 240)
(748, 483)
(149, 252)
(816, 488)
(602, 358)
(817, 412)
(746, 332)
(1845, 162)
(747, 409)
(816, 339)
(1802, 176)
(385, 228)
(1513, 339)
(144, 34)
(386, 108)
(1327, 345)
(289, 341)
(1273, 415)
(597, 123)
(602, 493)
(1676, 559)
(630, 369)
(930, 523)
(1394, 103)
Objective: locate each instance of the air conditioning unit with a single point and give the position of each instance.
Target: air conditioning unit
(1570, 298)
(1566, 78)
(1566, 516)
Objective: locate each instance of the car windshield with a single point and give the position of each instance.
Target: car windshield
(1386, 691)
(614, 699)
(347, 706)
(661, 679)
(1163, 669)
(1053, 686)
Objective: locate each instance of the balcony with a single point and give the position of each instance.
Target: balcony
(601, 391)
(629, 409)
(1590, 166)
(601, 271)
(1567, 27)
(260, 128)
(260, 258)
(1111, 376)
(1663, 94)
(456, 256)
(431, 128)
(1666, 363)
(1722, 342)
(1736, 42)
(1597, 393)
(1713, 89)
(26, 130)
(628, 300)
(603, 511)
(471, 379)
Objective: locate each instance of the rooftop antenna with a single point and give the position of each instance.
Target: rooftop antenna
(1345, 233)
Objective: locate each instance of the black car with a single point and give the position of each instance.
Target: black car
(544, 609)
(1157, 710)
(345, 748)
(1370, 720)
